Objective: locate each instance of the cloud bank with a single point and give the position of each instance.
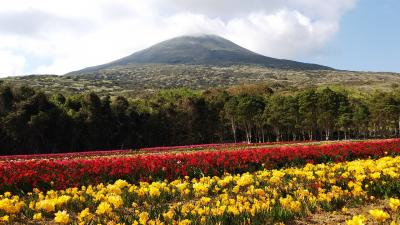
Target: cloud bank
(55, 37)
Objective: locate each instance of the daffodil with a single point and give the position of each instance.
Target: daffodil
(103, 208)
(356, 220)
(394, 204)
(379, 215)
(37, 216)
(61, 217)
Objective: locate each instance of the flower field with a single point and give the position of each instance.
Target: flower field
(126, 152)
(261, 197)
(210, 184)
(76, 170)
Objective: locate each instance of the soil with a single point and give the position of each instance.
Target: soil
(340, 217)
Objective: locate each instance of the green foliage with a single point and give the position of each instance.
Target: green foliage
(34, 122)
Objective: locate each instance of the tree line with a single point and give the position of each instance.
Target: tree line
(34, 122)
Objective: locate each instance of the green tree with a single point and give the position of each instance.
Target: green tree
(249, 110)
(231, 113)
(308, 111)
(328, 111)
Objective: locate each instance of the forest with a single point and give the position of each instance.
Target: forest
(34, 122)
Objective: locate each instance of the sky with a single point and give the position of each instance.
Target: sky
(56, 37)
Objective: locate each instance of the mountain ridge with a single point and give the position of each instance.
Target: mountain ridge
(203, 49)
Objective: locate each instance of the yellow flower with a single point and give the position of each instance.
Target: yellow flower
(277, 176)
(121, 183)
(5, 218)
(11, 206)
(47, 205)
(245, 180)
(394, 204)
(260, 192)
(154, 192)
(379, 215)
(356, 220)
(205, 200)
(295, 206)
(115, 200)
(37, 216)
(290, 204)
(61, 217)
(62, 199)
(236, 189)
(84, 214)
(376, 175)
(103, 208)
(32, 205)
(185, 222)
(200, 189)
(233, 210)
(186, 192)
(143, 217)
(168, 215)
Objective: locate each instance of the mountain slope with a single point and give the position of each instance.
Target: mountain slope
(144, 79)
(201, 50)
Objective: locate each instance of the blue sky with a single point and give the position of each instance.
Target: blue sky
(368, 39)
(56, 37)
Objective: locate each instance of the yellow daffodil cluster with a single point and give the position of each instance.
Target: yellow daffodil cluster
(263, 197)
(10, 205)
(356, 220)
(61, 217)
(390, 216)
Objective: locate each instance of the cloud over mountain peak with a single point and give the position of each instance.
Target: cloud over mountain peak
(81, 29)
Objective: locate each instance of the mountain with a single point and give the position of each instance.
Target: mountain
(201, 63)
(201, 50)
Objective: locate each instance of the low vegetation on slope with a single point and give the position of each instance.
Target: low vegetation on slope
(133, 80)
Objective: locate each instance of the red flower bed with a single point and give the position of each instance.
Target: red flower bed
(100, 153)
(64, 173)
(217, 146)
(64, 155)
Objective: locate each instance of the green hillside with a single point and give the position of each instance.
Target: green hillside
(144, 79)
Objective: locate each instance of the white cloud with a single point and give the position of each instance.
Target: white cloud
(72, 34)
(10, 63)
(283, 34)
